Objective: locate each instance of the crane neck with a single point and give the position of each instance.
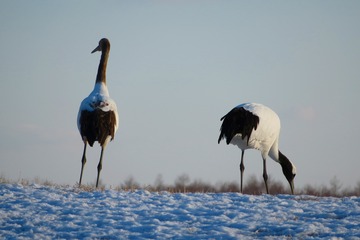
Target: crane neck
(288, 168)
(101, 74)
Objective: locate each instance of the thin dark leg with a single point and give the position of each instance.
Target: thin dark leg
(242, 168)
(265, 176)
(83, 161)
(99, 167)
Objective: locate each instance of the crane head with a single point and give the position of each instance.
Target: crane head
(103, 44)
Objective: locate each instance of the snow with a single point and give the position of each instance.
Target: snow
(50, 212)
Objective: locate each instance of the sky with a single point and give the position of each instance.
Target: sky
(175, 68)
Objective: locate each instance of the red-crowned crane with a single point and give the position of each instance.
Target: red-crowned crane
(253, 125)
(98, 117)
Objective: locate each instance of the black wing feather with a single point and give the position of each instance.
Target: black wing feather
(238, 120)
(97, 125)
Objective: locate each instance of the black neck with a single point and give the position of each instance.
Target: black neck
(101, 74)
(286, 165)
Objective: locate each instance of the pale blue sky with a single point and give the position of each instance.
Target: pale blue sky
(175, 68)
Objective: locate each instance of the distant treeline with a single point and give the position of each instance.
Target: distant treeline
(253, 186)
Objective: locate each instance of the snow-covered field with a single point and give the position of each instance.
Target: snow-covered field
(42, 212)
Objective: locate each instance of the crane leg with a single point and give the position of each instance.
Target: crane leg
(83, 161)
(242, 168)
(265, 175)
(99, 167)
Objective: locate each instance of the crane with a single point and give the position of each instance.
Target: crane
(98, 117)
(255, 126)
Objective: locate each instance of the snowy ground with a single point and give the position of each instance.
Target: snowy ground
(40, 212)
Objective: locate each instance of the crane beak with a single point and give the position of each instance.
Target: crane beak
(96, 49)
(292, 186)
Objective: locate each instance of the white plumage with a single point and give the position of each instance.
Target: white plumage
(98, 98)
(98, 117)
(253, 125)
